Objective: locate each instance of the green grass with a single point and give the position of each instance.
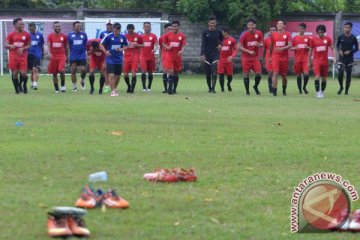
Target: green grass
(249, 153)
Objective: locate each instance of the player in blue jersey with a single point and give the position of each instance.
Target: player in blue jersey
(77, 44)
(109, 29)
(35, 54)
(113, 45)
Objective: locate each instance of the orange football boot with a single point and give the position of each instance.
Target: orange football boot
(58, 226)
(88, 198)
(77, 226)
(112, 200)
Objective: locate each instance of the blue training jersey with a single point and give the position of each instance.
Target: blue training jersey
(37, 43)
(111, 43)
(77, 43)
(104, 34)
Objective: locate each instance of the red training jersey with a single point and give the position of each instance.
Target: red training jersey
(149, 43)
(133, 52)
(280, 40)
(97, 54)
(19, 40)
(250, 41)
(57, 43)
(320, 48)
(176, 41)
(164, 51)
(267, 43)
(302, 52)
(228, 48)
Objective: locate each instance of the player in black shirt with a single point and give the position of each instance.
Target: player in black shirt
(346, 45)
(211, 40)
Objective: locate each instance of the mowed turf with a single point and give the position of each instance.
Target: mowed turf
(249, 153)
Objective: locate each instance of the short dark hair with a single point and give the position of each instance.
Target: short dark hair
(211, 18)
(109, 23)
(251, 20)
(95, 44)
(348, 24)
(302, 25)
(76, 22)
(175, 22)
(225, 29)
(147, 23)
(130, 26)
(321, 27)
(16, 20)
(56, 22)
(273, 26)
(284, 22)
(116, 25)
(167, 25)
(32, 24)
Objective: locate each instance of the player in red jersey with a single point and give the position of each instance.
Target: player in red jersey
(249, 44)
(175, 43)
(147, 56)
(131, 57)
(266, 57)
(227, 54)
(320, 46)
(279, 55)
(57, 45)
(301, 46)
(164, 55)
(96, 59)
(18, 43)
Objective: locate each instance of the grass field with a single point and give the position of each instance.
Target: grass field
(249, 153)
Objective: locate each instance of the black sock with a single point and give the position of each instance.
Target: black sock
(306, 80)
(229, 79)
(222, 82)
(208, 81)
(62, 82)
(133, 83)
(323, 85)
(247, 83)
(274, 91)
(341, 81)
(257, 80)
(151, 77)
(347, 84)
(213, 82)
(83, 75)
(102, 82)
(317, 85)
(165, 81)
(170, 84)
(15, 81)
(56, 86)
(176, 81)
(92, 81)
(270, 84)
(127, 81)
(298, 79)
(143, 80)
(24, 81)
(284, 89)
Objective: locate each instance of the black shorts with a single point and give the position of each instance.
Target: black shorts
(33, 61)
(79, 62)
(114, 68)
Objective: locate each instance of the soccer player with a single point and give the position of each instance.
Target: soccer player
(109, 29)
(249, 44)
(320, 46)
(35, 54)
(210, 44)
(18, 43)
(279, 55)
(174, 42)
(147, 56)
(164, 56)
(113, 45)
(77, 44)
(346, 45)
(227, 54)
(58, 49)
(301, 46)
(131, 58)
(96, 61)
(266, 56)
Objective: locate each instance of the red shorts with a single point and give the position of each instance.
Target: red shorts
(96, 63)
(131, 66)
(147, 65)
(280, 67)
(251, 64)
(56, 65)
(173, 64)
(225, 68)
(268, 65)
(18, 63)
(301, 67)
(320, 70)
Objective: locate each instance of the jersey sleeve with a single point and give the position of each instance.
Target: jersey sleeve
(183, 41)
(234, 48)
(125, 43)
(9, 38)
(28, 39)
(242, 39)
(156, 41)
(356, 45)
(86, 39)
(140, 40)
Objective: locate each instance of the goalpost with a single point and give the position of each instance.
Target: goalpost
(92, 27)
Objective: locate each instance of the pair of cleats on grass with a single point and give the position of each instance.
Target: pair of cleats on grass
(171, 175)
(92, 199)
(65, 222)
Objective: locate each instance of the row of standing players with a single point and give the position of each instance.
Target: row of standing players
(307, 51)
(111, 54)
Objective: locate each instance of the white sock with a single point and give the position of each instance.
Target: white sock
(74, 84)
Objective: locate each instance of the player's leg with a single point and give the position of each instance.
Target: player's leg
(23, 67)
(276, 68)
(82, 64)
(117, 74)
(106, 88)
(341, 70)
(229, 72)
(284, 65)
(246, 71)
(257, 69)
(221, 72)
(110, 69)
(127, 67)
(30, 68)
(56, 82)
(35, 77)
(171, 79)
(324, 73)
(143, 68)
(213, 75)
(284, 83)
(15, 80)
(102, 78)
(348, 68)
(268, 66)
(306, 72)
(151, 70)
(207, 69)
(317, 73)
(134, 66)
(92, 79)
(61, 70)
(298, 72)
(177, 70)
(73, 68)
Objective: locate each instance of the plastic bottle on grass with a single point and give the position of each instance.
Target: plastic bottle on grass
(98, 177)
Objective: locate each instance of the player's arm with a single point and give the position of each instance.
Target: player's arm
(8, 45)
(355, 47)
(243, 49)
(67, 49)
(202, 53)
(234, 50)
(334, 53)
(183, 45)
(165, 43)
(42, 46)
(338, 46)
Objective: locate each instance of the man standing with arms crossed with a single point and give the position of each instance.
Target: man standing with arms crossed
(211, 40)
(279, 56)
